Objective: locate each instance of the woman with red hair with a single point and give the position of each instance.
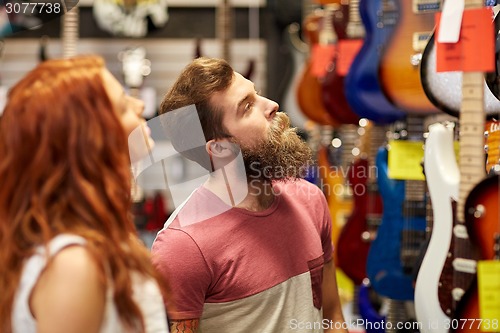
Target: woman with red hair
(70, 257)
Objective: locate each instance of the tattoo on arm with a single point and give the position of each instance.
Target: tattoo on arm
(184, 326)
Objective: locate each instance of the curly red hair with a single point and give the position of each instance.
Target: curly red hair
(64, 168)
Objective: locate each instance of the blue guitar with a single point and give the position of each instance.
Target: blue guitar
(362, 86)
(393, 252)
(373, 319)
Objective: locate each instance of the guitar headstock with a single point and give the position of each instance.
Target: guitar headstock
(135, 66)
(492, 145)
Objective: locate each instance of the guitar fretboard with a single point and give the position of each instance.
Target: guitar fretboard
(70, 34)
(471, 137)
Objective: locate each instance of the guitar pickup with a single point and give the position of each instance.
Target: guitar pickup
(465, 265)
(426, 6)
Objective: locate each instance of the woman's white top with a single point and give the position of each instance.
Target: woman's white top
(146, 294)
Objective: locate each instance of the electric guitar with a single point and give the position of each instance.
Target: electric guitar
(332, 86)
(442, 177)
(224, 31)
(399, 68)
(459, 261)
(362, 85)
(333, 162)
(443, 89)
(368, 311)
(298, 50)
(308, 89)
(393, 252)
(360, 229)
(482, 219)
(492, 145)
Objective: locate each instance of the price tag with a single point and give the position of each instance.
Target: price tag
(405, 160)
(348, 49)
(488, 284)
(474, 51)
(321, 58)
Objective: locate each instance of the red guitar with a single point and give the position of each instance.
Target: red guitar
(308, 90)
(354, 240)
(349, 30)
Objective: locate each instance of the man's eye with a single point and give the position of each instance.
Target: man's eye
(248, 106)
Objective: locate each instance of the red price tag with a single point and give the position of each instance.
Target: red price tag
(348, 49)
(321, 58)
(475, 49)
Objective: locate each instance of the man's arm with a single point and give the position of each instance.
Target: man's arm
(184, 326)
(332, 309)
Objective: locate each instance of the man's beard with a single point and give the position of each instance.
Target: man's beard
(282, 156)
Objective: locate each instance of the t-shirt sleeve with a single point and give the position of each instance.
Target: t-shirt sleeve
(181, 264)
(326, 229)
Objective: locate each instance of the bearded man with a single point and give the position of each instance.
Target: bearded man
(250, 250)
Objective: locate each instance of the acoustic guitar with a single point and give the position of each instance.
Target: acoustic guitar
(363, 89)
(399, 68)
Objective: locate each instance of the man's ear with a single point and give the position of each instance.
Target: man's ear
(219, 148)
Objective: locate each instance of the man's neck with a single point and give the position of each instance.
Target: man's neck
(255, 195)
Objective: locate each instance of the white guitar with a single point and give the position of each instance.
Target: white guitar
(449, 264)
(442, 176)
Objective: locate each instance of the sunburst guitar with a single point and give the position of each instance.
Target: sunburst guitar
(399, 67)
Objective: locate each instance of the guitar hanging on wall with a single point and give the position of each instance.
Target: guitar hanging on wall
(362, 85)
(399, 67)
(443, 89)
(437, 293)
(350, 32)
(482, 218)
(402, 230)
(308, 88)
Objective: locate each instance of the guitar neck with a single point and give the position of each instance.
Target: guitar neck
(471, 137)
(225, 28)
(355, 28)
(70, 32)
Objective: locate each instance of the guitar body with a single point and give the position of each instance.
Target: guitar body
(442, 176)
(363, 90)
(482, 231)
(354, 242)
(444, 89)
(399, 67)
(332, 88)
(367, 311)
(339, 202)
(299, 58)
(308, 89)
(384, 267)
